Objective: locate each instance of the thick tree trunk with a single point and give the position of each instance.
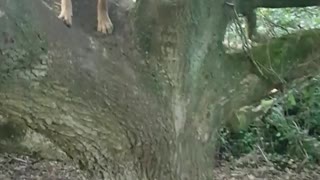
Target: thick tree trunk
(87, 99)
(104, 107)
(123, 111)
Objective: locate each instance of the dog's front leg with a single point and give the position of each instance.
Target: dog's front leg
(104, 23)
(66, 12)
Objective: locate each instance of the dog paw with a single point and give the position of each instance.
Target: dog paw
(66, 16)
(104, 24)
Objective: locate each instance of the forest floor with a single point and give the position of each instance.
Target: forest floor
(257, 167)
(17, 167)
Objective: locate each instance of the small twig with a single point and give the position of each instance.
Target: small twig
(275, 25)
(300, 167)
(264, 156)
(20, 160)
(245, 42)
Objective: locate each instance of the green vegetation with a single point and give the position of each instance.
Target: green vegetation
(279, 22)
(290, 130)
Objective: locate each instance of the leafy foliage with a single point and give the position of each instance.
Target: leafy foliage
(286, 20)
(290, 131)
(277, 22)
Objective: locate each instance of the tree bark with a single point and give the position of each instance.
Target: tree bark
(278, 62)
(143, 103)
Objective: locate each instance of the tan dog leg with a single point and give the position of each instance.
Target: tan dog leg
(66, 12)
(104, 23)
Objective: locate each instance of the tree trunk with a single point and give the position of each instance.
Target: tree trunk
(143, 103)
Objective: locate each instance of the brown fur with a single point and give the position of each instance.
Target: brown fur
(104, 24)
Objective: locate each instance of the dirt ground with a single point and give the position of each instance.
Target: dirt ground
(17, 167)
(264, 172)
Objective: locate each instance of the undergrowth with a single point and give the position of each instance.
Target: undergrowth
(289, 132)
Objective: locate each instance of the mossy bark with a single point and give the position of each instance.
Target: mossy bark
(278, 62)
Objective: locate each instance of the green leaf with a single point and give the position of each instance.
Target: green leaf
(292, 100)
